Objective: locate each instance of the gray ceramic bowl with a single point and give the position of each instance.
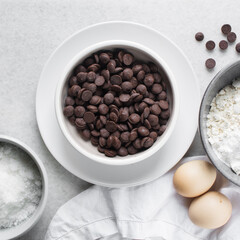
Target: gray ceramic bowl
(15, 232)
(223, 78)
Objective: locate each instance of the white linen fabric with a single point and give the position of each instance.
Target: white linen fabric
(150, 211)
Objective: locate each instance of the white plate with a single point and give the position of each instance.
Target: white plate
(134, 174)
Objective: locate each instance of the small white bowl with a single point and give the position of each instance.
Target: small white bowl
(140, 52)
(14, 232)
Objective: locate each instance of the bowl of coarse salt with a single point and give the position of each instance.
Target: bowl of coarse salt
(219, 122)
(23, 188)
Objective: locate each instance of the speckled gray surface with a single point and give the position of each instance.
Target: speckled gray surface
(31, 30)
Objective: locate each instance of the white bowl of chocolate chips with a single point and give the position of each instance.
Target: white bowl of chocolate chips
(117, 102)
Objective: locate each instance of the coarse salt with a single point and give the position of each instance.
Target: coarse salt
(20, 186)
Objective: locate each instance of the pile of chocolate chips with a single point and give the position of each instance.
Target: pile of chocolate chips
(117, 103)
(223, 44)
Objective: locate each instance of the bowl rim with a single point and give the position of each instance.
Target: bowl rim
(24, 227)
(121, 44)
(211, 155)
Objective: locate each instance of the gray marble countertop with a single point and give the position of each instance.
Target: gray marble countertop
(31, 30)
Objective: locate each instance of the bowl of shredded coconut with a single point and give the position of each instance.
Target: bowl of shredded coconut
(23, 188)
(219, 121)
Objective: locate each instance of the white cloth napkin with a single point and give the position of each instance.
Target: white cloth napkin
(151, 211)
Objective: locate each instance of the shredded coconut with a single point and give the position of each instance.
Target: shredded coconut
(223, 125)
(20, 186)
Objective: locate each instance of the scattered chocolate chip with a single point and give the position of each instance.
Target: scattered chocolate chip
(199, 36)
(226, 28)
(210, 63)
(237, 47)
(210, 45)
(231, 37)
(223, 44)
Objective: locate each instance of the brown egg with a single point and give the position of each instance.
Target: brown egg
(211, 210)
(194, 178)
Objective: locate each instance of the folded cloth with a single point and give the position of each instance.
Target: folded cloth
(150, 211)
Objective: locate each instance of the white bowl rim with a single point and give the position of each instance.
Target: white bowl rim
(130, 159)
(19, 230)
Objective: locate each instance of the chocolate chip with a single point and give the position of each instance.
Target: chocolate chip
(226, 28)
(80, 123)
(89, 117)
(156, 88)
(108, 98)
(124, 98)
(125, 137)
(210, 63)
(143, 131)
(153, 135)
(104, 133)
(110, 153)
(141, 75)
(116, 80)
(136, 68)
(153, 67)
(146, 112)
(223, 44)
(74, 90)
(104, 58)
(148, 101)
(86, 134)
(111, 66)
(127, 86)
(147, 142)
(231, 37)
(137, 143)
(69, 101)
(106, 74)
(162, 95)
(91, 76)
(111, 126)
(153, 120)
(99, 81)
(86, 95)
(163, 104)
(127, 73)
(79, 111)
(141, 89)
(199, 36)
(155, 109)
(148, 80)
(210, 45)
(102, 142)
(92, 108)
(165, 114)
(132, 150)
(237, 47)
(94, 67)
(123, 151)
(68, 111)
(127, 59)
(73, 81)
(95, 100)
(134, 118)
(103, 109)
(116, 143)
(162, 130)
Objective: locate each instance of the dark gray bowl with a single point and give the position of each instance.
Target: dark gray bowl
(223, 78)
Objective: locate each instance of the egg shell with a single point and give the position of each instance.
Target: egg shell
(194, 178)
(211, 210)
